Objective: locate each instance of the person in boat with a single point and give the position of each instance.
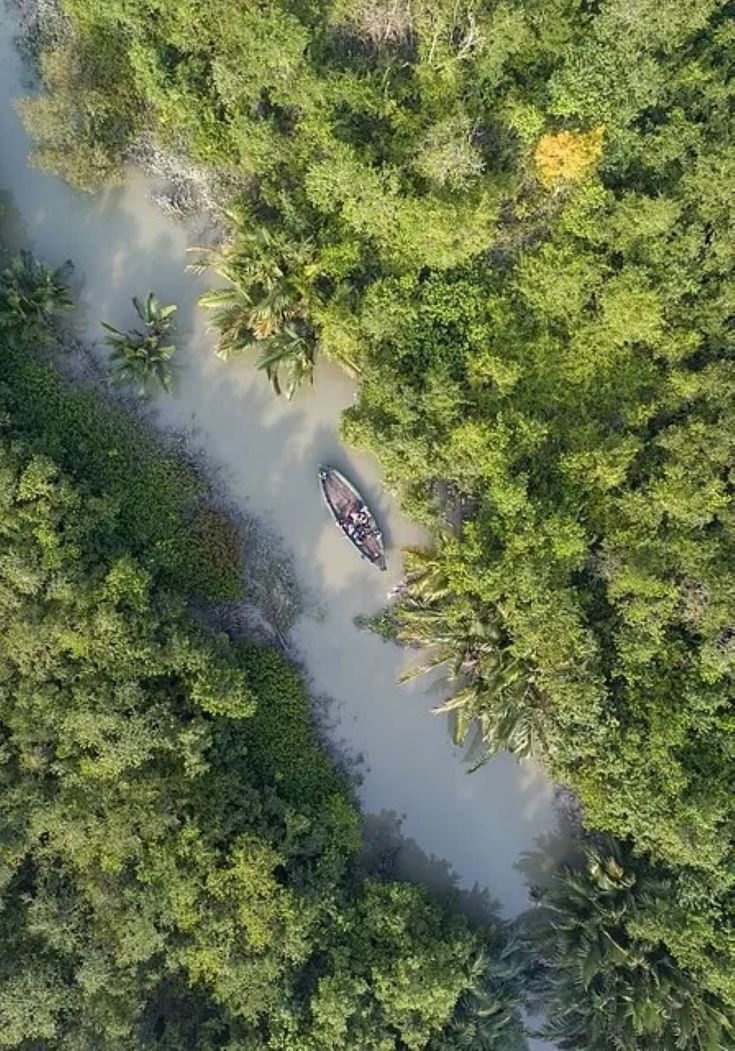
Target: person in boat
(357, 523)
(360, 516)
(350, 523)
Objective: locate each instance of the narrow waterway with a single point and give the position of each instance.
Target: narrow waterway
(466, 830)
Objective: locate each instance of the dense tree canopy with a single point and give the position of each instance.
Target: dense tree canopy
(611, 980)
(177, 851)
(514, 221)
(151, 869)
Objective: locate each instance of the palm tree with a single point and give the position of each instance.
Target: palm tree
(231, 318)
(267, 303)
(31, 292)
(606, 986)
(486, 1015)
(492, 689)
(144, 358)
(290, 353)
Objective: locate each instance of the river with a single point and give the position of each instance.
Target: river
(461, 829)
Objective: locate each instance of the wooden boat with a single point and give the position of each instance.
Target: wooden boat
(352, 515)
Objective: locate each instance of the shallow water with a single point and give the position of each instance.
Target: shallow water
(466, 830)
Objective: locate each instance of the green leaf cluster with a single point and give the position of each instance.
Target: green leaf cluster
(612, 976)
(514, 220)
(178, 854)
(144, 358)
(150, 503)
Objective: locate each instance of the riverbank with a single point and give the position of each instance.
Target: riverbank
(267, 453)
(216, 874)
(529, 274)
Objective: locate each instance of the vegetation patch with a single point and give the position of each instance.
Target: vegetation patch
(178, 853)
(514, 222)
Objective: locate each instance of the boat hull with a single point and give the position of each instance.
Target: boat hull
(352, 516)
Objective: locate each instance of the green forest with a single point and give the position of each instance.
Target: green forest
(178, 855)
(512, 222)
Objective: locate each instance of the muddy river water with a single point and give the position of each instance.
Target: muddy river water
(469, 830)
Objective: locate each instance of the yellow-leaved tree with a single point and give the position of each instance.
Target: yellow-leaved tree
(566, 156)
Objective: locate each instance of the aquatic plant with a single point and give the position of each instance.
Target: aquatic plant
(143, 358)
(31, 292)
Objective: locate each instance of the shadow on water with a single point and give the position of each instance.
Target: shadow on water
(12, 229)
(552, 849)
(390, 854)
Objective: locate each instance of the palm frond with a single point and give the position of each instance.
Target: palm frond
(143, 358)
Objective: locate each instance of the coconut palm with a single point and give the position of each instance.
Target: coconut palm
(606, 985)
(32, 292)
(267, 303)
(504, 708)
(231, 318)
(288, 360)
(144, 357)
(492, 689)
(486, 1015)
(426, 571)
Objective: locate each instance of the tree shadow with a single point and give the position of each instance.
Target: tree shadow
(12, 230)
(389, 854)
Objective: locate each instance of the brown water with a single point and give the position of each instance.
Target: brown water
(464, 829)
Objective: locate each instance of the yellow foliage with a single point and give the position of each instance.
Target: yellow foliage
(566, 156)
